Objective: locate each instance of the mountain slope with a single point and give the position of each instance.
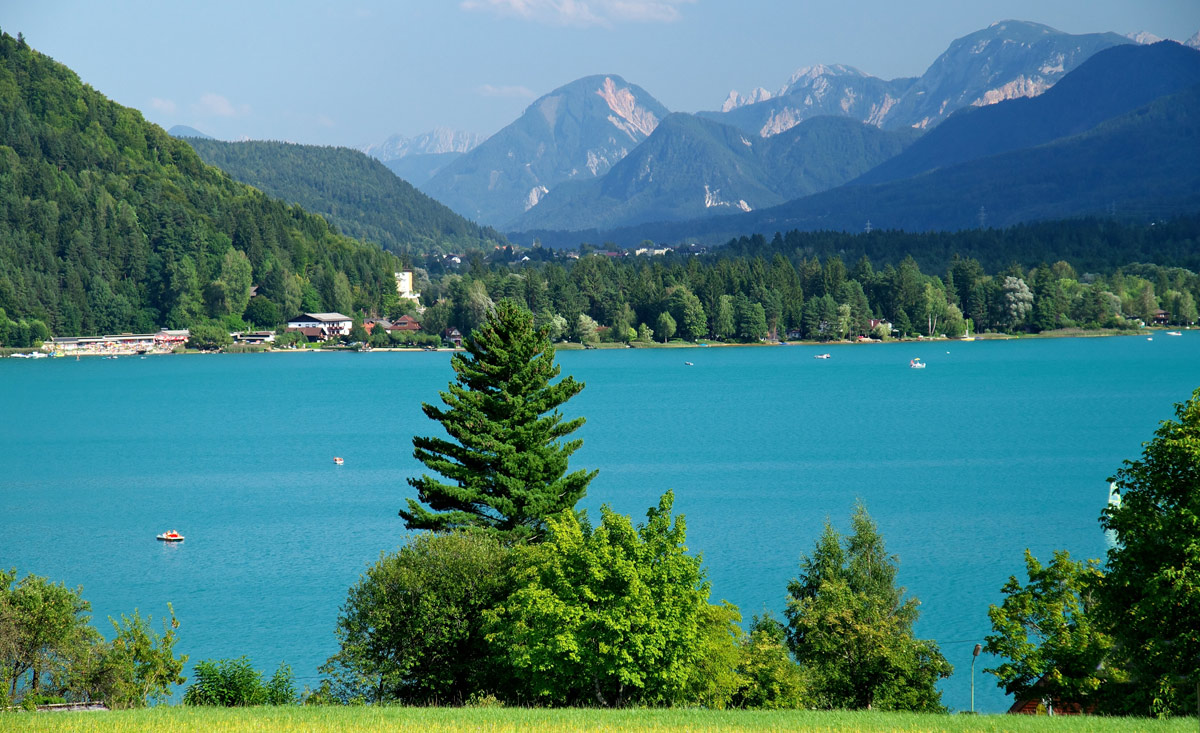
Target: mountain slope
(691, 167)
(108, 224)
(1007, 60)
(1112, 82)
(185, 131)
(356, 193)
(575, 132)
(418, 168)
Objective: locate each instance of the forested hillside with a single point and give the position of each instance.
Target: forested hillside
(108, 224)
(357, 194)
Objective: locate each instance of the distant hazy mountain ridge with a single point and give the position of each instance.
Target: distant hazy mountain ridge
(437, 141)
(1007, 60)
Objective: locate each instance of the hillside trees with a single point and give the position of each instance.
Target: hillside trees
(108, 225)
(505, 462)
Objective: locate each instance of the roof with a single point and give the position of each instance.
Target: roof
(322, 317)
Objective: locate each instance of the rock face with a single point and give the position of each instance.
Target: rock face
(577, 132)
(1008, 60)
(435, 142)
(1194, 41)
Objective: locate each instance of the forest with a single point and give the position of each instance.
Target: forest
(109, 225)
(753, 289)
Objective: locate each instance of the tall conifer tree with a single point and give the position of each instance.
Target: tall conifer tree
(505, 465)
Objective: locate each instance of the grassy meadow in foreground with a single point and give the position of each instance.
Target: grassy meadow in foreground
(432, 720)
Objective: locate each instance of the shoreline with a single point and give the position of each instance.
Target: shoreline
(608, 346)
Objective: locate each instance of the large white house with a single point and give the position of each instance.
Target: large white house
(404, 285)
(325, 325)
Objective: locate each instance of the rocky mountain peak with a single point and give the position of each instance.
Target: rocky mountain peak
(1194, 41)
(631, 117)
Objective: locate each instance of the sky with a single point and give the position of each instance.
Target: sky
(353, 72)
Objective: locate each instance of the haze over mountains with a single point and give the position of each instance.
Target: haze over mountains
(600, 157)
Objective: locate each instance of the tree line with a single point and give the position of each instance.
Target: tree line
(759, 290)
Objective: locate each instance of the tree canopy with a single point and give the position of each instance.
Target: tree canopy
(1151, 591)
(851, 626)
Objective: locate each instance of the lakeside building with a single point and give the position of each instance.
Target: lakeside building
(321, 326)
(405, 323)
(163, 342)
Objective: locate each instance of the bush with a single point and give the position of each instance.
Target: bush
(236, 683)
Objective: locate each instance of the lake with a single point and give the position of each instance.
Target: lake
(996, 447)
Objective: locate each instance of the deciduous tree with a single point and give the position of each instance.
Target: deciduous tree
(1151, 592)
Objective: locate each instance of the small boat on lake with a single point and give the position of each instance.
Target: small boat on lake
(171, 536)
(916, 363)
(820, 356)
(687, 363)
(338, 460)
(1174, 333)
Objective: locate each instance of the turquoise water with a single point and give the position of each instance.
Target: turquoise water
(995, 447)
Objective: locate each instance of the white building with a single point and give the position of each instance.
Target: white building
(404, 285)
(329, 325)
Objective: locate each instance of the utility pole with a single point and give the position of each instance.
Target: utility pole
(974, 656)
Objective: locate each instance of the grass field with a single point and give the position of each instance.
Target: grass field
(436, 720)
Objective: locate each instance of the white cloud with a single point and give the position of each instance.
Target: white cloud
(507, 92)
(165, 106)
(215, 105)
(583, 12)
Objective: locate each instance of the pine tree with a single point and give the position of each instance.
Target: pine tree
(505, 464)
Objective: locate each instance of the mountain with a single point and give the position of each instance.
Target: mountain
(1113, 82)
(1007, 60)
(1142, 165)
(185, 131)
(109, 225)
(357, 194)
(437, 141)
(578, 131)
(418, 168)
(691, 167)
(1194, 41)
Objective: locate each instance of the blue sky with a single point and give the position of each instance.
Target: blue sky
(354, 72)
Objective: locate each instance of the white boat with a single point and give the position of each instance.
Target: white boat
(1174, 333)
(338, 460)
(916, 363)
(820, 356)
(171, 536)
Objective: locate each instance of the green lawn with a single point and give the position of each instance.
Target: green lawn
(434, 720)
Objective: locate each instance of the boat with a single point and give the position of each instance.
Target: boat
(916, 363)
(1174, 333)
(687, 363)
(338, 460)
(171, 536)
(820, 356)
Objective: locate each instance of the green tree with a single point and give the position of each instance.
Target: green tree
(610, 616)
(208, 336)
(1151, 592)
(852, 628)
(411, 628)
(665, 326)
(45, 632)
(723, 323)
(688, 313)
(505, 463)
(236, 683)
(769, 678)
(1047, 631)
